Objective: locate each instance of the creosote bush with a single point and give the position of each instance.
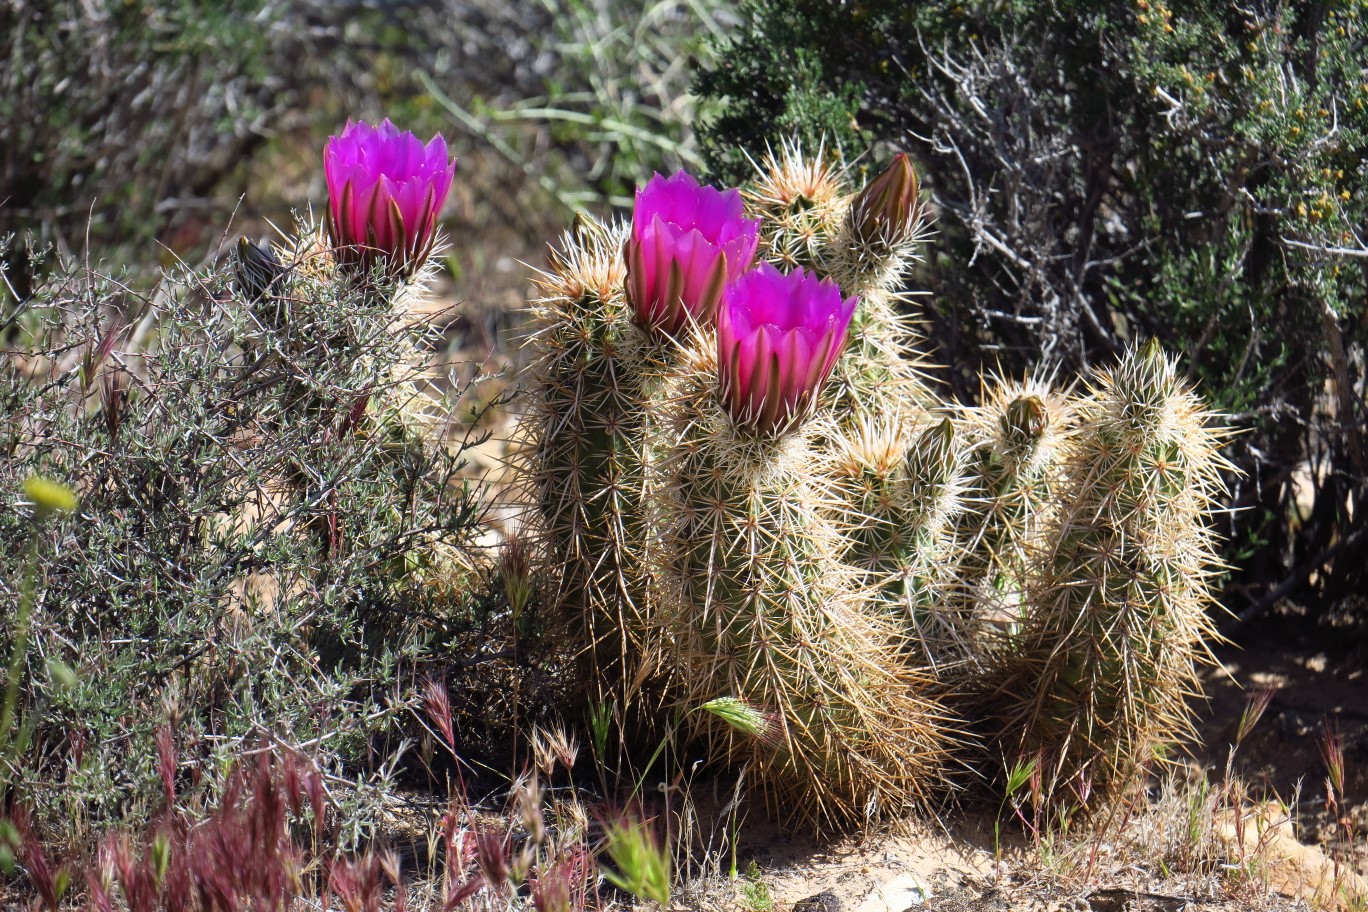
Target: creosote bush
(272, 536)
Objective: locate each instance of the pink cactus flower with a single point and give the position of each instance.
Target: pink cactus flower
(687, 242)
(385, 191)
(778, 338)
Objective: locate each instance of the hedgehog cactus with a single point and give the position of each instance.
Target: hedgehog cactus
(931, 500)
(865, 241)
(750, 585)
(1096, 686)
(751, 494)
(801, 201)
(899, 493)
(586, 447)
(613, 302)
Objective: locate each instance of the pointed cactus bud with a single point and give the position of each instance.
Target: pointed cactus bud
(385, 191)
(778, 338)
(889, 208)
(932, 462)
(1145, 382)
(256, 270)
(1024, 421)
(687, 242)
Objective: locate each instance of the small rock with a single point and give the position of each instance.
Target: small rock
(825, 901)
(900, 894)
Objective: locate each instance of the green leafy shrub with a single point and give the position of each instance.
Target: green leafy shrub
(272, 538)
(1191, 172)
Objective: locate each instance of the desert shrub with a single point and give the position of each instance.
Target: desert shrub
(1191, 172)
(272, 542)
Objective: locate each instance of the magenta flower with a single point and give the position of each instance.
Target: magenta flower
(687, 242)
(778, 338)
(385, 191)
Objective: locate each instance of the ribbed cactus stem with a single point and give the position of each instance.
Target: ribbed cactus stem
(869, 470)
(899, 502)
(1016, 438)
(880, 372)
(929, 505)
(1117, 610)
(760, 608)
(594, 371)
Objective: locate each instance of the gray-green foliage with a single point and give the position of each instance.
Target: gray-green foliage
(1111, 171)
(267, 545)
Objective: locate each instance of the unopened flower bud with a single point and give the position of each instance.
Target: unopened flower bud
(889, 208)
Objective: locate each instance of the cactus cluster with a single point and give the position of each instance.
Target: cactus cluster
(753, 499)
(1116, 618)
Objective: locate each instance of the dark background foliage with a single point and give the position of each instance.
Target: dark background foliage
(124, 121)
(1107, 172)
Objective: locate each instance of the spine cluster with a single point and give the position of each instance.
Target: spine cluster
(1116, 617)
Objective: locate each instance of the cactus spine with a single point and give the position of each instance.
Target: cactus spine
(1118, 603)
(865, 241)
(1016, 440)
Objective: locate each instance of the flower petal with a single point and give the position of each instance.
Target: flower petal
(687, 241)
